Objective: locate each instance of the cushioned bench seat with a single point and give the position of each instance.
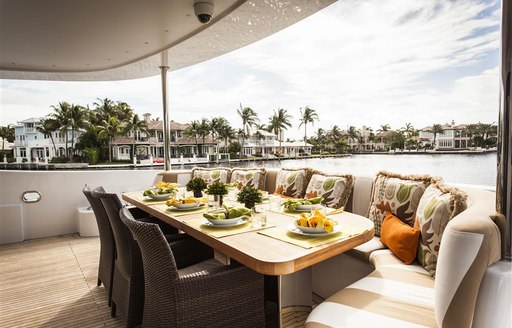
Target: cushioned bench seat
(393, 295)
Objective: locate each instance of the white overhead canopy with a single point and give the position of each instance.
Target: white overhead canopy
(121, 39)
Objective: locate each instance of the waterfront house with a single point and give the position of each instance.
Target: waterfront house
(262, 143)
(30, 145)
(453, 137)
(151, 143)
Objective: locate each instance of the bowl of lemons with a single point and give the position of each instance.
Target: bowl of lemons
(186, 203)
(315, 223)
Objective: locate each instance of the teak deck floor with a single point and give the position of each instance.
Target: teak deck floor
(51, 282)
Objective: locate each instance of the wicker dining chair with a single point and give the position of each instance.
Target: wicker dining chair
(212, 296)
(128, 276)
(107, 243)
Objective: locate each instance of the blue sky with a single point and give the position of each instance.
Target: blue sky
(356, 63)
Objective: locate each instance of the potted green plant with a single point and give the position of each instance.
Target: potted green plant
(218, 189)
(197, 185)
(249, 196)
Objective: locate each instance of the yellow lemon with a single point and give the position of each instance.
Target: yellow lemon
(328, 225)
(172, 202)
(302, 222)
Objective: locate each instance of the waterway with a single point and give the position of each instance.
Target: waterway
(476, 169)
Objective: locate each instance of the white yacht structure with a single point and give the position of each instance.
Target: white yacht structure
(124, 39)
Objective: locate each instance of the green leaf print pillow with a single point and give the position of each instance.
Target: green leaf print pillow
(437, 207)
(292, 182)
(335, 189)
(211, 175)
(398, 194)
(254, 177)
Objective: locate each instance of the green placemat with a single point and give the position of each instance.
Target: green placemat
(174, 212)
(283, 234)
(219, 232)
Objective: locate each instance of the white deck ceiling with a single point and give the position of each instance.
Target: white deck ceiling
(123, 39)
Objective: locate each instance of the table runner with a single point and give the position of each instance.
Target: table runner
(282, 233)
(197, 223)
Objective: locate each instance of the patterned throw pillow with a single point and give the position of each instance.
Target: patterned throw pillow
(437, 206)
(212, 175)
(254, 177)
(397, 194)
(335, 189)
(292, 182)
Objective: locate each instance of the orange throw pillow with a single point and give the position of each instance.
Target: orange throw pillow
(400, 238)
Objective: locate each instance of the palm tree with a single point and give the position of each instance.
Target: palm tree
(203, 131)
(353, 134)
(47, 126)
(278, 122)
(123, 111)
(259, 136)
(407, 129)
(77, 120)
(227, 133)
(62, 116)
(109, 129)
(216, 125)
(384, 128)
(134, 125)
(249, 118)
(336, 132)
(436, 129)
(192, 130)
(105, 108)
(307, 115)
(6, 133)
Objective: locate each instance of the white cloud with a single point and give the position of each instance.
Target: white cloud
(357, 63)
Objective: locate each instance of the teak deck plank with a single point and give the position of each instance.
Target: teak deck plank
(51, 282)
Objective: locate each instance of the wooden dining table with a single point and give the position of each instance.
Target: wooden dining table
(272, 250)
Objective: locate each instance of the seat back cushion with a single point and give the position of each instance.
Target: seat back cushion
(335, 189)
(400, 238)
(437, 206)
(397, 194)
(254, 177)
(292, 182)
(220, 174)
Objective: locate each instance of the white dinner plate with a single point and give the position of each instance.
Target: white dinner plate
(159, 196)
(307, 208)
(174, 208)
(293, 228)
(241, 220)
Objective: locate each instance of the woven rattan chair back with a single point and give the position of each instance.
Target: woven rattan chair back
(128, 281)
(220, 297)
(107, 242)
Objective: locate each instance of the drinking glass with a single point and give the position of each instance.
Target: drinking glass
(212, 202)
(260, 219)
(275, 202)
